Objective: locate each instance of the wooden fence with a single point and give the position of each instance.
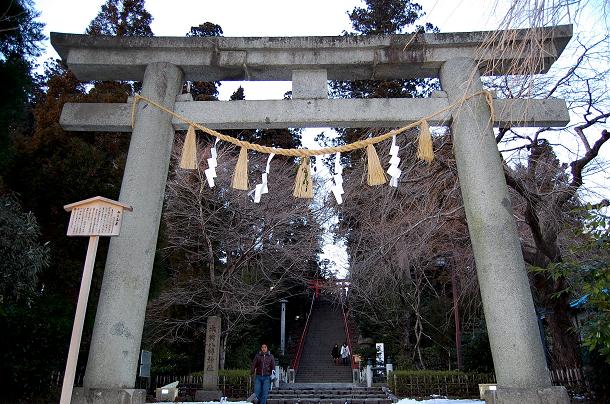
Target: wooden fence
(230, 386)
(464, 385)
(456, 385)
(573, 379)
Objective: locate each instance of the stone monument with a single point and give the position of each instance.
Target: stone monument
(210, 390)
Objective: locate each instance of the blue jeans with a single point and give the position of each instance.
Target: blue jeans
(261, 388)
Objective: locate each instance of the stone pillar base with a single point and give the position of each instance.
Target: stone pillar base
(510, 395)
(208, 395)
(80, 395)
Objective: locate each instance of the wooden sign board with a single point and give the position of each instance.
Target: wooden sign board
(95, 217)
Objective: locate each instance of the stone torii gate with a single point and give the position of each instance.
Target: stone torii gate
(163, 63)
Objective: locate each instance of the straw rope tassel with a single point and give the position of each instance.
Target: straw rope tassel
(188, 160)
(424, 148)
(376, 176)
(240, 175)
(303, 184)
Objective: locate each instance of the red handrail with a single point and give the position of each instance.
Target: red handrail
(295, 361)
(347, 335)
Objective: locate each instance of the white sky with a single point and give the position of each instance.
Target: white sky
(276, 18)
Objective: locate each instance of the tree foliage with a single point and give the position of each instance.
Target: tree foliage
(20, 37)
(397, 234)
(53, 167)
(121, 18)
(587, 269)
(204, 90)
(206, 29)
(22, 256)
(385, 17)
(20, 33)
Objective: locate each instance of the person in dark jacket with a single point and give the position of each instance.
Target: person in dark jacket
(335, 354)
(262, 366)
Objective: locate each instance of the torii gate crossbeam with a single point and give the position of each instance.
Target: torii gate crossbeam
(164, 63)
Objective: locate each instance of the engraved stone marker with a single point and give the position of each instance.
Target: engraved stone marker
(210, 390)
(212, 349)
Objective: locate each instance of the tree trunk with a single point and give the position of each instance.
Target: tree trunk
(564, 343)
(223, 350)
(406, 345)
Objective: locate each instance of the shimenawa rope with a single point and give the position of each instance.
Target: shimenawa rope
(360, 144)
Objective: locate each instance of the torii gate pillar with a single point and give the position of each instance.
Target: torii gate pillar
(113, 355)
(517, 351)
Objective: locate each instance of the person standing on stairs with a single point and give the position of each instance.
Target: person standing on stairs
(262, 366)
(345, 353)
(335, 354)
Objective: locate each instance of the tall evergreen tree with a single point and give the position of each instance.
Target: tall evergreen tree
(122, 18)
(53, 167)
(383, 17)
(20, 37)
(206, 29)
(204, 90)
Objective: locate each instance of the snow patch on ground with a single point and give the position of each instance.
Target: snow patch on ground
(201, 402)
(403, 401)
(438, 401)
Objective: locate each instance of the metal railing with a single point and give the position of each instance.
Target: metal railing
(297, 358)
(347, 335)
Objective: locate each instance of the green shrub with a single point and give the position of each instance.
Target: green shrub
(234, 372)
(227, 373)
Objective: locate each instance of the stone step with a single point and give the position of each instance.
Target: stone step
(325, 330)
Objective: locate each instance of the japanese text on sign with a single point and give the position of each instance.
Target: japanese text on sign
(95, 221)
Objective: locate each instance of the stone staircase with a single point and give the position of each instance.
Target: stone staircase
(319, 393)
(325, 330)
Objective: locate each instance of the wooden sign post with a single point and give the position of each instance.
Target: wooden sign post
(93, 217)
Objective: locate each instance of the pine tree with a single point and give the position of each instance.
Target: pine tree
(206, 29)
(121, 18)
(51, 168)
(238, 94)
(383, 17)
(205, 90)
(20, 35)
